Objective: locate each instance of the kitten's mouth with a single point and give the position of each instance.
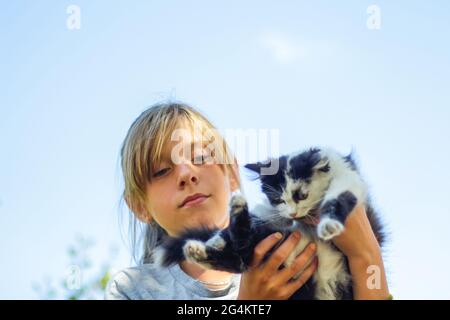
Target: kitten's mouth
(312, 217)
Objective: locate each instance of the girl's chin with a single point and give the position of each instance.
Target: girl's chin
(218, 223)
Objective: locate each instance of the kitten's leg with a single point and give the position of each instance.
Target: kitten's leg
(219, 252)
(208, 254)
(238, 204)
(345, 191)
(333, 214)
(215, 253)
(196, 251)
(170, 251)
(240, 224)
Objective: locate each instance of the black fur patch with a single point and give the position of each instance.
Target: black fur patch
(301, 165)
(173, 252)
(339, 208)
(271, 185)
(349, 159)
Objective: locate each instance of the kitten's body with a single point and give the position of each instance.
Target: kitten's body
(309, 185)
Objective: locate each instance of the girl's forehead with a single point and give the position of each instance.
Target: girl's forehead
(188, 135)
(188, 143)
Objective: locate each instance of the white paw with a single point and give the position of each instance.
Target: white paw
(329, 228)
(237, 203)
(195, 251)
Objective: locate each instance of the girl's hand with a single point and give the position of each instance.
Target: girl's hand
(359, 244)
(357, 241)
(263, 281)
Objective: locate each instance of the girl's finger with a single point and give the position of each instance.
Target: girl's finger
(293, 286)
(263, 247)
(301, 262)
(279, 255)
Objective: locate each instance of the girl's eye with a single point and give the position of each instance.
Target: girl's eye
(160, 173)
(201, 159)
(198, 160)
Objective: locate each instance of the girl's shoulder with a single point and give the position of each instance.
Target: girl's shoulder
(136, 283)
(151, 282)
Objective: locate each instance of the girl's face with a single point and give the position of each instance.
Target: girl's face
(172, 183)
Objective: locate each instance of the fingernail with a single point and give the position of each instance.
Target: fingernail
(278, 235)
(296, 235)
(313, 246)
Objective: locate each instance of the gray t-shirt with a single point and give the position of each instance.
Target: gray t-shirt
(149, 282)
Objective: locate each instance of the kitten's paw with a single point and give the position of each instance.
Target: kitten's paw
(329, 228)
(237, 204)
(195, 251)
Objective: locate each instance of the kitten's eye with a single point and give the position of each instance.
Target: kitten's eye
(278, 201)
(308, 180)
(160, 173)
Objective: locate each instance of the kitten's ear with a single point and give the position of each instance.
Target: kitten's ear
(255, 167)
(323, 165)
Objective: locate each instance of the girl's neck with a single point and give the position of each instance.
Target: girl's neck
(212, 279)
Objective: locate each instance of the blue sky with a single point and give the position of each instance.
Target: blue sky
(312, 69)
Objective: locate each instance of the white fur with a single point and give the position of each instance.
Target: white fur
(343, 178)
(331, 270)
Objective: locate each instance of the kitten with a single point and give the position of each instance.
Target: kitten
(309, 186)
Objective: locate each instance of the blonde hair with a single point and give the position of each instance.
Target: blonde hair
(142, 149)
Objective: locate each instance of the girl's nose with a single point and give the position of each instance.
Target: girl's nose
(186, 175)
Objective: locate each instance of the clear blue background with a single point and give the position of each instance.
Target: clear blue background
(311, 69)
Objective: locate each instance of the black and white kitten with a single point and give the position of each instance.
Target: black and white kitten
(312, 185)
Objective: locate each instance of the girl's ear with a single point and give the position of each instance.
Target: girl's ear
(234, 186)
(234, 177)
(139, 210)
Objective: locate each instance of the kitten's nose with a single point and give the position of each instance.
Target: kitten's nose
(293, 214)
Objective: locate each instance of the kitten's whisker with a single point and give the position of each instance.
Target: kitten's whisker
(269, 187)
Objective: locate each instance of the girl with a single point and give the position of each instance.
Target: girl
(158, 184)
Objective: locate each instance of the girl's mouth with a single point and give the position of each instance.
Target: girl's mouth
(195, 201)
